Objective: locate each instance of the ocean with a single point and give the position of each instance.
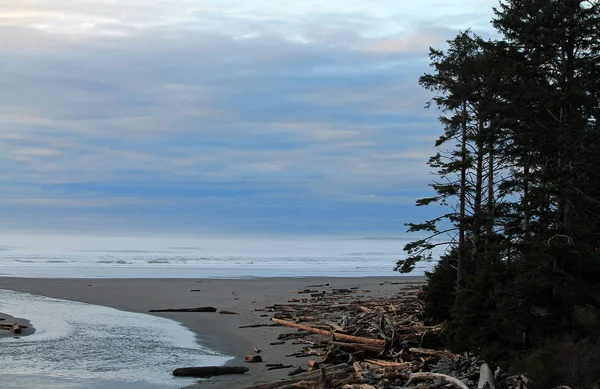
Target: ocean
(204, 257)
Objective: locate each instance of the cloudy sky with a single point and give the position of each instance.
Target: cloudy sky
(222, 116)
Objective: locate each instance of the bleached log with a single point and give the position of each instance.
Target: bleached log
(436, 376)
(395, 365)
(486, 378)
(343, 337)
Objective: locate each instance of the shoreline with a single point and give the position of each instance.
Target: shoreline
(219, 332)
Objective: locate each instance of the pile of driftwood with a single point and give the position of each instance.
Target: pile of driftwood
(355, 342)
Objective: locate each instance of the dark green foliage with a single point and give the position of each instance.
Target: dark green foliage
(438, 293)
(518, 167)
(568, 360)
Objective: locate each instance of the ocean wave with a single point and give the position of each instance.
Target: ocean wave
(118, 262)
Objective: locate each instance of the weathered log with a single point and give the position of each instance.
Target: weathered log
(344, 337)
(280, 367)
(336, 327)
(260, 325)
(486, 377)
(296, 371)
(228, 313)
(340, 371)
(209, 371)
(199, 309)
(358, 346)
(395, 365)
(435, 376)
(434, 353)
(11, 327)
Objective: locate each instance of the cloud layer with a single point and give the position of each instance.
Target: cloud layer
(223, 116)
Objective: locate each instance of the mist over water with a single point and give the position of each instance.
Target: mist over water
(208, 257)
(76, 342)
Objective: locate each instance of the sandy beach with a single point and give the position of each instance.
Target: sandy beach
(219, 332)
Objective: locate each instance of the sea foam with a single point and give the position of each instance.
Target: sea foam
(78, 341)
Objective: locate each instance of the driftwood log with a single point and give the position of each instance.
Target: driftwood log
(199, 309)
(340, 371)
(358, 346)
(486, 377)
(209, 371)
(394, 365)
(436, 376)
(15, 328)
(343, 337)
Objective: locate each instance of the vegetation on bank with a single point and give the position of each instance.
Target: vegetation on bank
(518, 174)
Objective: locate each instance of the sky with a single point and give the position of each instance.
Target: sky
(219, 116)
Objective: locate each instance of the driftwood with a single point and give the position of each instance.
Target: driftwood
(342, 370)
(486, 377)
(296, 371)
(435, 353)
(394, 365)
(349, 338)
(279, 367)
(15, 328)
(253, 359)
(209, 371)
(199, 309)
(260, 325)
(358, 346)
(436, 376)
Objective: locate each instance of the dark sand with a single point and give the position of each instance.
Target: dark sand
(216, 331)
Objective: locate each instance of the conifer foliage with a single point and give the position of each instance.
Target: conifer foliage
(518, 171)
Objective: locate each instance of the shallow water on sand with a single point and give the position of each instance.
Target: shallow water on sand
(78, 345)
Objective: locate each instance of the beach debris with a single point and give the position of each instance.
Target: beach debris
(253, 359)
(260, 325)
(199, 309)
(209, 371)
(279, 366)
(297, 370)
(194, 290)
(337, 371)
(257, 350)
(312, 364)
(356, 342)
(280, 342)
(351, 338)
(228, 313)
(15, 327)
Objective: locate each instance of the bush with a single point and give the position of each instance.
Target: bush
(566, 362)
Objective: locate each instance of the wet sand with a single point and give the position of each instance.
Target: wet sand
(219, 332)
